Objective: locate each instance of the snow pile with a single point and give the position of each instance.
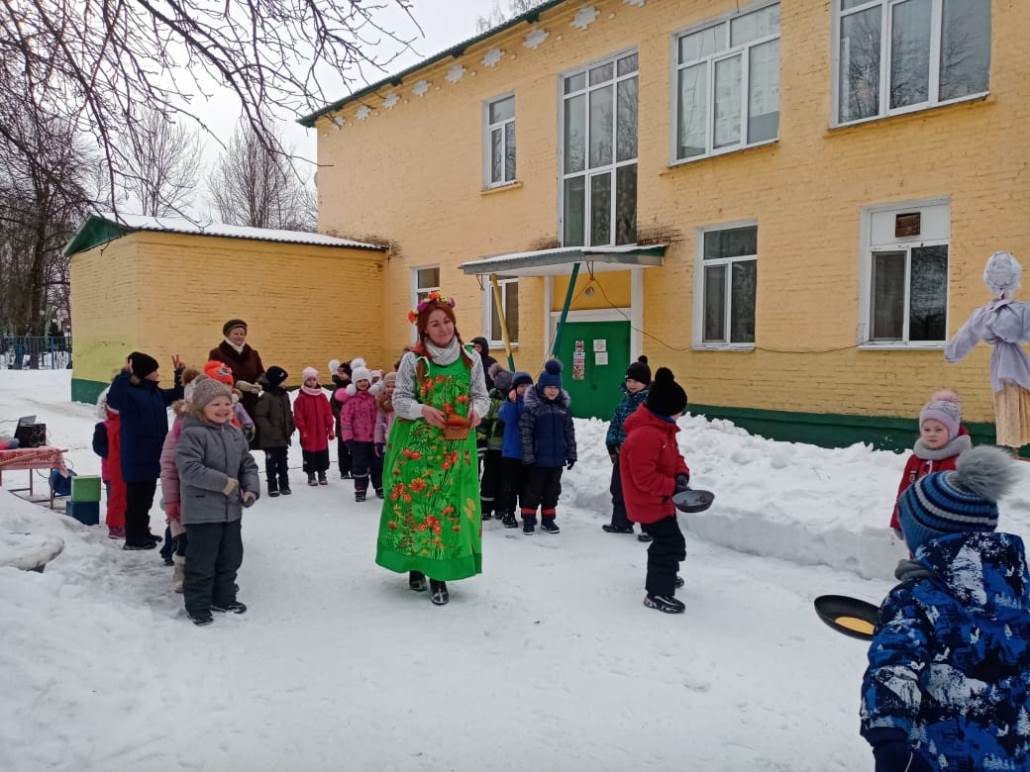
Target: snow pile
(802, 503)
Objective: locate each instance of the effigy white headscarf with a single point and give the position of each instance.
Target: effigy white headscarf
(1002, 274)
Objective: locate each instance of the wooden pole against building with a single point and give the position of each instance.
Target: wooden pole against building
(499, 308)
(565, 309)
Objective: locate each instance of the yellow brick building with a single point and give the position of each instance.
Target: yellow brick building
(789, 203)
(164, 287)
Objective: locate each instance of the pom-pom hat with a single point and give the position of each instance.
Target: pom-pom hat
(964, 501)
(551, 375)
(639, 371)
(521, 378)
(503, 380)
(666, 397)
(361, 374)
(943, 406)
(220, 371)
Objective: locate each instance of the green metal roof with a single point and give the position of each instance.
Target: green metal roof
(530, 17)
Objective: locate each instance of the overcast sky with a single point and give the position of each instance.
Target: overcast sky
(443, 22)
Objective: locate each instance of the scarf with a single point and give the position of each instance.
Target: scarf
(234, 347)
(953, 448)
(313, 392)
(445, 355)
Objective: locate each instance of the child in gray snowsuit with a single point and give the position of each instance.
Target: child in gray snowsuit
(218, 477)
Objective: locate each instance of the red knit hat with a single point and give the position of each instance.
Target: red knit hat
(219, 371)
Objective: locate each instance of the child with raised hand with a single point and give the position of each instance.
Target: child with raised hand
(357, 427)
(512, 473)
(275, 429)
(218, 477)
(652, 471)
(548, 445)
(941, 439)
(948, 681)
(634, 392)
(314, 419)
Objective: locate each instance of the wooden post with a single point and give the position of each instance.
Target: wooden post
(565, 309)
(499, 307)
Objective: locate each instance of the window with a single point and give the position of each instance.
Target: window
(599, 154)
(907, 258)
(901, 55)
(728, 278)
(510, 300)
(500, 142)
(425, 281)
(728, 85)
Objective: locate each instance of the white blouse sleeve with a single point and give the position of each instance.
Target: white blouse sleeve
(477, 387)
(405, 400)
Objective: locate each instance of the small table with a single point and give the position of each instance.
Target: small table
(29, 459)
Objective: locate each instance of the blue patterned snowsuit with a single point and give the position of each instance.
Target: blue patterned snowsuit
(950, 662)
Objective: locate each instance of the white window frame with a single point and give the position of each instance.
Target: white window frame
(886, 24)
(488, 310)
(415, 288)
(699, 289)
(743, 50)
(488, 129)
(611, 169)
(867, 248)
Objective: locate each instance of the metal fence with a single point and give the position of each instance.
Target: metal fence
(35, 352)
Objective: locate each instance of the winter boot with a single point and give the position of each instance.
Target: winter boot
(273, 494)
(664, 603)
(380, 494)
(547, 525)
(114, 532)
(234, 606)
(644, 537)
(679, 581)
(180, 572)
(528, 524)
(509, 520)
(609, 528)
(311, 479)
(273, 487)
(359, 496)
(201, 618)
(417, 581)
(321, 479)
(139, 545)
(487, 509)
(438, 592)
(286, 490)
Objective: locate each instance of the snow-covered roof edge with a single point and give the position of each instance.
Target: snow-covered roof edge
(107, 226)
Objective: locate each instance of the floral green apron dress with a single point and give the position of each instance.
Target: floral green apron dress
(431, 519)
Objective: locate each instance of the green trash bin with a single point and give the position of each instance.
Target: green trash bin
(86, 487)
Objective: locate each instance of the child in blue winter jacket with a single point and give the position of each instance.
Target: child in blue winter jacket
(948, 682)
(548, 445)
(512, 475)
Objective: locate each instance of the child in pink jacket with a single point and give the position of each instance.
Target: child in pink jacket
(357, 427)
(175, 535)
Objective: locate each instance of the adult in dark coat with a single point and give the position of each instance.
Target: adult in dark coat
(244, 362)
(143, 406)
(482, 347)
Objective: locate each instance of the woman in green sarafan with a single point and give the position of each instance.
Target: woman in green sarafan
(431, 525)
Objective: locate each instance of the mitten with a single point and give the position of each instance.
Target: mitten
(571, 463)
(613, 454)
(894, 753)
(248, 386)
(248, 498)
(231, 484)
(248, 432)
(682, 482)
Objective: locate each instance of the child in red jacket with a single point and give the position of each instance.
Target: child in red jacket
(107, 445)
(314, 419)
(357, 427)
(652, 470)
(941, 438)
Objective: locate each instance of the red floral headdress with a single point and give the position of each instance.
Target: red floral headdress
(434, 298)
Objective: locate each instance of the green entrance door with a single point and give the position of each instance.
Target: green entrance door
(595, 356)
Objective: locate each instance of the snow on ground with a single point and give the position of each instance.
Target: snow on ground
(548, 660)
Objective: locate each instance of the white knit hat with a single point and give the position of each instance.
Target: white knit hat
(1002, 274)
(360, 374)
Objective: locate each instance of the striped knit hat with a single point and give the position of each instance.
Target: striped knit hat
(963, 501)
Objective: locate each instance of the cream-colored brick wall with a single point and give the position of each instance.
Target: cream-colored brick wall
(414, 174)
(303, 305)
(105, 303)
